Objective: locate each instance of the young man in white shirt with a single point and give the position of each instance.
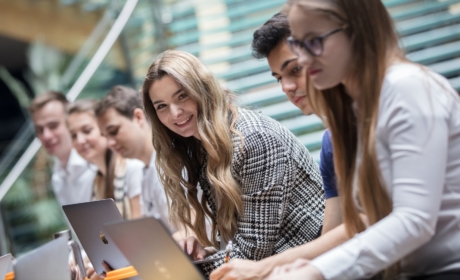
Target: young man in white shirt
(122, 120)
(73, 177)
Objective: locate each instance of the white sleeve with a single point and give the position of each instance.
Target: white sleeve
(134, 175)
(414, 133)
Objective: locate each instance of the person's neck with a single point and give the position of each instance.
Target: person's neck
(146, 152)
(64, 159)
(350, 89)
(100, 164)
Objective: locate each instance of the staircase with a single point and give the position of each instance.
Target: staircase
(220, 32)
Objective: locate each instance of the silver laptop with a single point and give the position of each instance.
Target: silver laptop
(149, 247)
(5, 263)
(87, 220)
(50, 261)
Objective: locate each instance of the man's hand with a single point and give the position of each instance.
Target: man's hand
(240, 270)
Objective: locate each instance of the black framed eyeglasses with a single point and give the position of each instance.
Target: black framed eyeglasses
(313, 46)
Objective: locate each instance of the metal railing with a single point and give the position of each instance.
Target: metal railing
(74, 91)
(26, 131)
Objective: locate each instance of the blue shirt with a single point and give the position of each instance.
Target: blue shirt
(326, 166)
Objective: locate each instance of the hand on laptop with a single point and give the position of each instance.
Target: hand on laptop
(92, 275)
(194, 249)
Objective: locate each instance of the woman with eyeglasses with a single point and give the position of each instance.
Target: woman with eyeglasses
(396, 137)
(261, 189)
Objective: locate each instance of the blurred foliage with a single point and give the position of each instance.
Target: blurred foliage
(16, 87)
(46, 66)
(30, 210)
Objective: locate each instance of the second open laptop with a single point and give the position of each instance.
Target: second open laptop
(149, 247)
(87, 220)
(5, 263)
(50, 262)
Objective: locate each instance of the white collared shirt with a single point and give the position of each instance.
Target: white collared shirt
(153, 197)
(73, 183)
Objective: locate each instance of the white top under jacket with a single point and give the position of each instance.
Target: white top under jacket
(418, 149)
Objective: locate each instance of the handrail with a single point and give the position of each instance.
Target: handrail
(26, 131)
(76, 89)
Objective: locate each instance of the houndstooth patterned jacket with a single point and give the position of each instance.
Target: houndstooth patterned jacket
(282, 190)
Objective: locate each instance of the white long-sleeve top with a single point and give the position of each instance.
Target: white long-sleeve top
(418, 149)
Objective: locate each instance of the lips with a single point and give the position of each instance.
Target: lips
(312, 72)
(298, 99)
(184, 122)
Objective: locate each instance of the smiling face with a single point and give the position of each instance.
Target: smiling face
(332, 67)
(286, 69)
(174, 107)
(86, 136)
(50, 128)
(124, 136)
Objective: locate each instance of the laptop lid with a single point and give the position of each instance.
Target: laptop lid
(147, 244)
(87, 220)
(5, 262)
(50, 261)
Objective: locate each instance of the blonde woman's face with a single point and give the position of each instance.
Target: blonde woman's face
(331, 67)
(86, 136)
(174, 107)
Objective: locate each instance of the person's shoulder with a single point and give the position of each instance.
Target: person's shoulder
(134, 164)
(327, 138)
(250, 122)
(410, 75)
(413, 85)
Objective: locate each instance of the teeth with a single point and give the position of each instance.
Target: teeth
(181, 123)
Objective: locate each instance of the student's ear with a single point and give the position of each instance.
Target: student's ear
(139, 116)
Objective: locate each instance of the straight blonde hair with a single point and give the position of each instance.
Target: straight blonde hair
(216, 118)
(374, 44)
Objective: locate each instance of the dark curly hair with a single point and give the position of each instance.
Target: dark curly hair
(267, 37)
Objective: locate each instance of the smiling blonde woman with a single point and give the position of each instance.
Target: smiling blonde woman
(261, 188)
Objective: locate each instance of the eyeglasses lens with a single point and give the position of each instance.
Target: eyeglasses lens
(315, 46)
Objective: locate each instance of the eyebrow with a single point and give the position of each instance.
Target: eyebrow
(174, 94)
(111, 126)
(284, 65)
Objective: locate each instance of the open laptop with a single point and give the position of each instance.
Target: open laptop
(149, 247)
(5, 262)
(50, 261)
(87, 220)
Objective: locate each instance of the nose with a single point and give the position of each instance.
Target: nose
(47, 134)
(176, 111)
(111, 142)
(288, 86)
(304, 59)
(81, 139)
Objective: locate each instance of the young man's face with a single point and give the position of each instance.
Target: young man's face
(51, 129)
(284, 67)
(124, 136)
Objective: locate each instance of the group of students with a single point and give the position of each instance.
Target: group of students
(384, 203)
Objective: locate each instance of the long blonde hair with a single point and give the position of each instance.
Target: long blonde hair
(374, 43)
(216, 117)
(104, 187)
